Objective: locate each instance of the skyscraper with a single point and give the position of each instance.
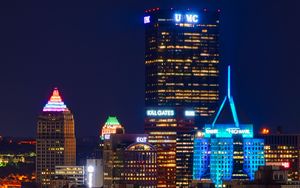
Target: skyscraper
(56, 143)
(181, 59)
(171, 131)
(224, 152)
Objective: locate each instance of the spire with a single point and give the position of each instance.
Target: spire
(230, 100)
(55, 103)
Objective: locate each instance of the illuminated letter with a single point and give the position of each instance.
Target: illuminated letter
(195, 18)
(146, 19)
(191, 18)
(177, 17)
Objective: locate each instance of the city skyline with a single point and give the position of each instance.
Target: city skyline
(71, 48)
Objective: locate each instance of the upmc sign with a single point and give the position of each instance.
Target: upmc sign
(190, 18)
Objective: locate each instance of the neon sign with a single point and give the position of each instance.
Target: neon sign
(284, 164)
(141, 139)
(190, 113)
(211, 131)
(146, 19)
(238, 131)
(190, 18)
(160, 113)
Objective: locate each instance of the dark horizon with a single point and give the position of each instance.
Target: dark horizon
(94, 53)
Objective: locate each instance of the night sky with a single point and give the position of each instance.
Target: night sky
(93, 51)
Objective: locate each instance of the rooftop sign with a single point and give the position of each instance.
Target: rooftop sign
(190, 18)
(160, 113)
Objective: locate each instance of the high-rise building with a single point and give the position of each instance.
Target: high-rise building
(283, 150)
(56, 143)
(129, 160)
(181, 59)
(171, 131)
(224, 152)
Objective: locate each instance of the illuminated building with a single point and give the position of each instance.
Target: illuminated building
(111, 126)
(94, 173)
(56, 143)
(283, 150)
(225, 152)
(266, 177)
(171, 131)
(181, 59)
(140, 164)
(72, 175)
(129, 160)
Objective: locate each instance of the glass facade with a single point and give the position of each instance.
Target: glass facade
(140, 165)
(227, 158)
(224, 152)
(171, 131)
(181, 59)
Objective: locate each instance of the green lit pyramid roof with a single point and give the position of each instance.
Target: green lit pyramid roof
(112, 120)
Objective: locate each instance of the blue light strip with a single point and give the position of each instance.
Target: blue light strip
(234, 114)
(231, 102)
(228, 83)
(218, 114)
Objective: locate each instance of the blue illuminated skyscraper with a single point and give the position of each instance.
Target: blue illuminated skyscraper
(225, 152)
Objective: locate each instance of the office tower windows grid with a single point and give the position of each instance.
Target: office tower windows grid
(182, 60)
(56, 143)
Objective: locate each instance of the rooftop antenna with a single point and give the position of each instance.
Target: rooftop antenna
(231, 102)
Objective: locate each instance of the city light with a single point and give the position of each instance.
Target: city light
(265, 131)
(146, 19)
(90, 170)
(190, 18)
(55, 103)
(160, 113)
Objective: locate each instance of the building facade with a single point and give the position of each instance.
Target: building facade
(283, 150)
(141, 164)
(56, 143)
(71, 175)
(171, 131)
(225, 152)
(129, 161)
(94, 173)
(181, 59)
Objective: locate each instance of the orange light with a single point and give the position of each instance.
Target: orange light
(265, 131)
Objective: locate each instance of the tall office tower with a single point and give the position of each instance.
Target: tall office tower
(225, 152)
(283, 150)
(181, 59)
(56, 143)
(171, 131)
